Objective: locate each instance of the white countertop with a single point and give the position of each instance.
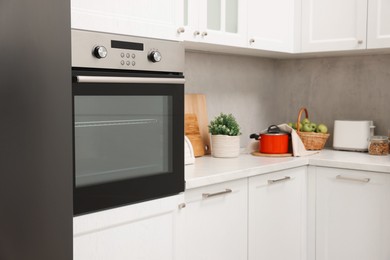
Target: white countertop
(209, 170)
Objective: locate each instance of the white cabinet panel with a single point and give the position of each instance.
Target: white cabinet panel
(148, 18)
(216, 226)
(277, 215)
(378, 29)
(146, 230)
(330, 25)
(215, 21)
(274, 25)
(352, 215)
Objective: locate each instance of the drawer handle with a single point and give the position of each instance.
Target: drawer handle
(208, 195)
(287, 178)
(340, 177)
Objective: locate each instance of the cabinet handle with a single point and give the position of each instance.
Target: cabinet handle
(287, 178)
(340, 177)
(181, 30)
(182, 205)
(360, 41)
(196, 33)
(208, 195)
(251, 41)
(204, 34)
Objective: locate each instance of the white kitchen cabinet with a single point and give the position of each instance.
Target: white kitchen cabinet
(333, 25)
(378, 29)
(216, 222)
(147, 18)
(352, 215)
(148, 230)
(274, 25)
(277, 215)
(215, 21)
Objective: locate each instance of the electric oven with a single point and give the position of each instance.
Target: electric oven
(128, 107)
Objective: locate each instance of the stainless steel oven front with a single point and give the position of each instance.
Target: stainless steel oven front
(128, 101)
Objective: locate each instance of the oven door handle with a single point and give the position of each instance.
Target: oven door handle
(105, 79)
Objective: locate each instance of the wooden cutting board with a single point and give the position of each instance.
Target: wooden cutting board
(272, 155)
(196, 104)
(191, 130)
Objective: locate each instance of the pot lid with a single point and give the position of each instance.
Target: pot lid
(274, 130)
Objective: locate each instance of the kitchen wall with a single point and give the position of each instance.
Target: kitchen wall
(241, 85)
(260, 91)
(356, 88)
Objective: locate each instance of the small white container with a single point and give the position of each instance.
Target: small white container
(352, 135)
(224, 146)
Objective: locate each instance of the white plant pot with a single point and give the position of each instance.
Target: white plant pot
(224, 146)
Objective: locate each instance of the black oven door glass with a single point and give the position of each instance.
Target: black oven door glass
(122, 137)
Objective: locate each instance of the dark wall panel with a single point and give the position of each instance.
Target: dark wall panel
(35, 130)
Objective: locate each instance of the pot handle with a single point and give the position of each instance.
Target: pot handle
(254, 136)
(273, 129)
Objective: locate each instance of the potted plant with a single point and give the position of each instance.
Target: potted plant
(225, 139)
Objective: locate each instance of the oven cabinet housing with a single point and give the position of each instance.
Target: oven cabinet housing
(277, 215)
(274, 25)
(147, 230)
(147, 18)
(378, 27)
(352, 214)
(220, 22)
(215, 227)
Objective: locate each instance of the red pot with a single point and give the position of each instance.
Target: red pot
(274, 141)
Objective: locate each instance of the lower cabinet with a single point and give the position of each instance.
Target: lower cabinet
(147, 231)
(294, 214)
(215, 225)
(352, 215)
(277, 215)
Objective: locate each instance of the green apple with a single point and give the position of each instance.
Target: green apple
(322, 128)
(307, 128)
(305, 121)
(290, 124)
(295, 126)
(313, 126)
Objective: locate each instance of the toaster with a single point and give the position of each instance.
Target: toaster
(352, 135)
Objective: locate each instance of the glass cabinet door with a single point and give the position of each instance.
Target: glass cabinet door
(222, 15)
(215, 21)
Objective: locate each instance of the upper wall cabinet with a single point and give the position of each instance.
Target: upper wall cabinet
(214, 21)
(378, 29)
(332, 25)
(147, 18)
(274, 25)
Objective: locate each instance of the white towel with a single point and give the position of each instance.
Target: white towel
(297, 145)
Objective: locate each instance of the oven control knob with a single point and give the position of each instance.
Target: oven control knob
(100, 52)
(155, 56)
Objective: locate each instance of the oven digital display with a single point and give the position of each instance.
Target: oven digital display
(127, 45)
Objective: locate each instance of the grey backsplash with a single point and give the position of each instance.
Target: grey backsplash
(260, 92)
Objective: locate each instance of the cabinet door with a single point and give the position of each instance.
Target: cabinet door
(277, 215)
(215, 21)
(352, 215)
(216, 222)
(189, 27)
(223, 22)
(145, 230)
(378, 29)
(330, 25)
(274, 25)
(147, 18)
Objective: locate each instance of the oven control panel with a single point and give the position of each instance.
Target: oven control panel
(112, 51)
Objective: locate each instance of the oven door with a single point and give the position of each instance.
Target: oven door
(128, 138)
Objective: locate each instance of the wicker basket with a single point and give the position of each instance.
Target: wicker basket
(311, 140)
